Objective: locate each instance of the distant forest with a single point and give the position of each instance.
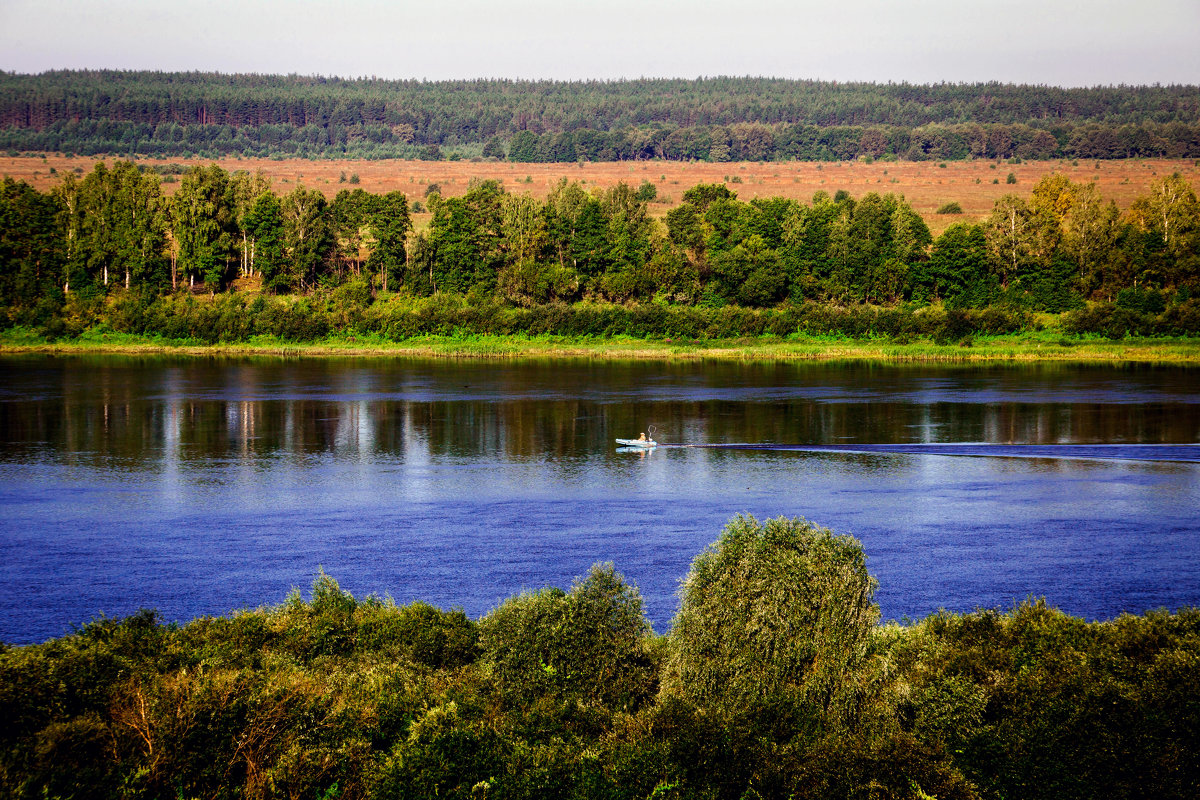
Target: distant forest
(208, 115)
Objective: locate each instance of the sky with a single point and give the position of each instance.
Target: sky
(1054, 42)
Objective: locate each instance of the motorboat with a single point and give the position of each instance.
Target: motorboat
(645, 443)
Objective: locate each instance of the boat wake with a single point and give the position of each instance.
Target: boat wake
(1188, 453)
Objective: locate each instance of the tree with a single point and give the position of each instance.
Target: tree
(390, 225)
(523, 228)
(350, 217)
(590, 243)
(774, 621)
(1010, 237)
(563, 208)
(32, 252)
(494, 148)
(452, 245)
(70, 223)
(749, 273)
(138, 225)
(1090, 232)
(263, 226)
(958, 268)
(1172, 211)
(308, 236)
(245, 190)
(523, 147)
(702, 195)
(628, 228)
(202, 222)
(1050, 204)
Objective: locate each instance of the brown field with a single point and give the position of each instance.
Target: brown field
(926, 185)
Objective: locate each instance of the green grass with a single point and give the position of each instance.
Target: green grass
(1028, 346)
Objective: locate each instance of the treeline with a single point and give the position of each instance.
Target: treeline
(774, 681)
(112, 231)
(716, 119)
(743, 141)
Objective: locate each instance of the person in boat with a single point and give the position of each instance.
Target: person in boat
(642, 437)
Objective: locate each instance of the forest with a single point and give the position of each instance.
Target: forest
(208, 115)
(775, 680)
(225, 259)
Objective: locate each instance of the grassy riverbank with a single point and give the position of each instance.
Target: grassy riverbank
(1022, 347)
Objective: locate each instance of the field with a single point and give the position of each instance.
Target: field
(975, 185)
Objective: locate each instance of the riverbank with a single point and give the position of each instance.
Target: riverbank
(1025, 347)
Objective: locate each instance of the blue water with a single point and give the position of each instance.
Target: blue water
(201, 486)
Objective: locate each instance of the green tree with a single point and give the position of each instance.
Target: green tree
(523, 228)
(523, 147)
(1090, 233)
(453, 245)
(494, 148)
(308, 237)
(1011, 238)
(958, 269)
(138, 225)
(1172, 212)
(32, 253)
(263, 226)
(74, 269)
(774, 623)
(390, 225)
(350, 214)
(245, 189)
(202, 223)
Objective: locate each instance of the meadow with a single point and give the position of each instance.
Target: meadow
(926, 185)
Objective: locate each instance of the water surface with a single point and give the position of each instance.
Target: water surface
(196, 486)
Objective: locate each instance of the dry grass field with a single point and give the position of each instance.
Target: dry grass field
(975, 185)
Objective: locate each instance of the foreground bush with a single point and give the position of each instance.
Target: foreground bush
(775, 681)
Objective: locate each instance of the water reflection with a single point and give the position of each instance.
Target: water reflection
(138, 415)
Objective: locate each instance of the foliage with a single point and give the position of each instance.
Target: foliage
(774, 621)
(106, 249)
(775, 682)
(713, 119)
(588, 644)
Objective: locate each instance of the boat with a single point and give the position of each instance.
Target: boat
(644, 444)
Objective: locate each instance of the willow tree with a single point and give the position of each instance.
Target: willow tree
(775, 622)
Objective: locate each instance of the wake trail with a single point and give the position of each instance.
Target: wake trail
(1186, 453)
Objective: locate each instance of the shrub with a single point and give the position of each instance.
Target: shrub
(587, 644)
(774, 622)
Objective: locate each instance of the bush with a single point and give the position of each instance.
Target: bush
(949, 208)
(774, 622)
(587, 644)
(1136, 298)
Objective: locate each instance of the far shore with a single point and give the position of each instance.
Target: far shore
(1021, 348)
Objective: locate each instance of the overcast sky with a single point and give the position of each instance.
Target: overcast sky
(1059, 42)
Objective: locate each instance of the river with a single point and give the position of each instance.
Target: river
(201, 485)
